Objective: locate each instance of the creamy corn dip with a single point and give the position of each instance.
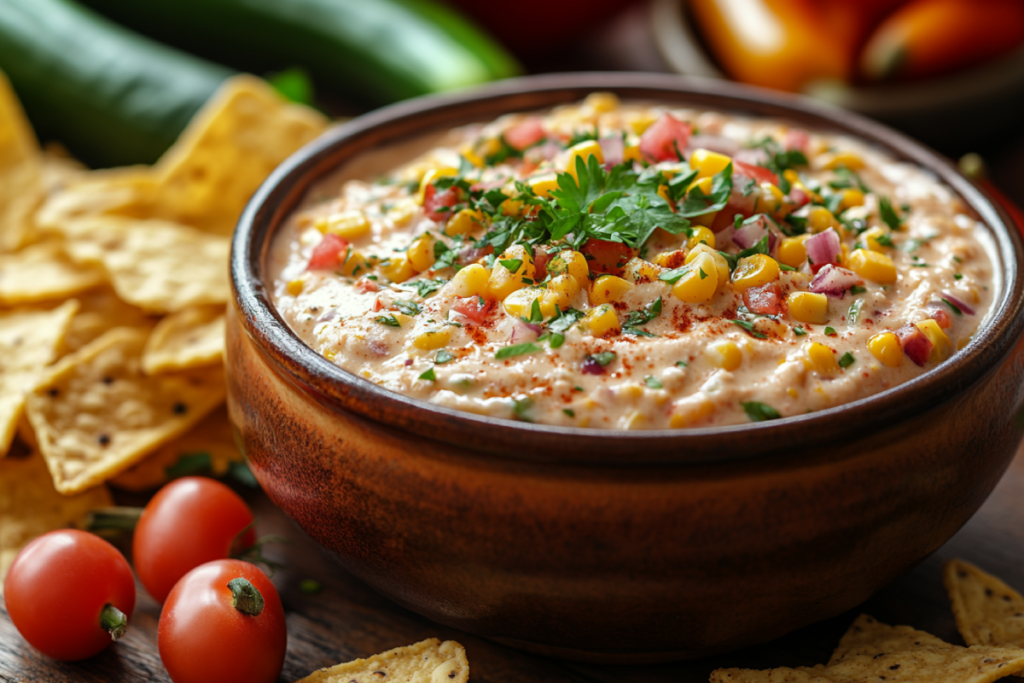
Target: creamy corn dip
(633, 266)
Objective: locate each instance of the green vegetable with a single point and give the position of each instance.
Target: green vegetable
(759, 412)
(110, 96)
(378, 51)
(516, 350)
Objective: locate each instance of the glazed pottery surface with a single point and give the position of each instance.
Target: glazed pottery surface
(608, 545)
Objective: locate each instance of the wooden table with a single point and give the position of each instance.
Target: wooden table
(347, 620)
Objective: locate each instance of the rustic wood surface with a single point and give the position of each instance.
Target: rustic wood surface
(347, 620)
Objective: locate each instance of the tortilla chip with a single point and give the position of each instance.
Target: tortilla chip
(59, 168)
(101, 311)
(30, 506)
(20, 170)
(43, 272)
(128, 192)
(867, 636)
(213, 438)
(781, 675)
(29, 340)
(429, 661)
(158, 266)
(190, 338)
(96, 414)
(242, 134)
(987, 611)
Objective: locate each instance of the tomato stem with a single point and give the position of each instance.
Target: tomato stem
(245, 597)
(111, 519)
(113, 621)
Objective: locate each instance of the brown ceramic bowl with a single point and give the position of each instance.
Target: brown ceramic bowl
(610, 545)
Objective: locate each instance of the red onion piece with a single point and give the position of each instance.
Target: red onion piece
(797, 139)
(613, 149)
(799, 197)
(823, 248)
(958, 303)
(542, 152)
(592, 367)
(917, 346)
(751, 233)
(524, 332)
(833, 281)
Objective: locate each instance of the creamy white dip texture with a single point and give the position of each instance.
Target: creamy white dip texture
(633, 266)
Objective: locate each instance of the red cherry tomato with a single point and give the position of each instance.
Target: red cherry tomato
(58, 590)
(665, 139)
(190, 521)
(203, 638)
(474, 308)
(604, 256)
(328, 254)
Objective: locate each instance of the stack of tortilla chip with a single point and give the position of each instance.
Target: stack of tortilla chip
(113, 286)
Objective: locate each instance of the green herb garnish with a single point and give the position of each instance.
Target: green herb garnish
(408, 307)
(443, 356)
(516, 350)
(604, 358)
(956, 309)
(847, 360)
(389, 320)
(653, 382)
(429, 375)
(759, 412)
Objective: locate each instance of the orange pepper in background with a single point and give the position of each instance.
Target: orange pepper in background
(929, 37)
(779, 44)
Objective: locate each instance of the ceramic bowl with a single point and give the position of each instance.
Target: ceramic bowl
(610, 545)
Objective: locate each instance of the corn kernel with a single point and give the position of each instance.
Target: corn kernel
(820, 219)
(671, 259)
(348, 225)
(631, 153)
(699, 283)
(602, 321)
(432, 175)
(808, 307)
(402, 212)
(872, 236)
(886, 348)
(602, 102)
(421, 253)
(701, 235)
(720, 263)
(852, 197)
(397, 268)
(512, 207)
(639, 271)
(519, 304)
(942, 345)
(691, 411)
(294, 287)
(725, 355)
(631, 391)
(402, 318)
(566, 288)
(821, 359)
(755, 271)
(432, 339)
(772, 200)
(502, 281)
(873, 266)
(464, 222)
(641, 122)
(543, 184)
(470, 155)
(792, 252)
(635, 420)
(708, 163)
(573, 263)
(703, 184)
(355, 264)
(836, 160)
(470, 281)
(608, 289)
(583, 150)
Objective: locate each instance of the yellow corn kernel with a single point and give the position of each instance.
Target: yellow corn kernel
(700, 282)
(355, 264)
(725, 355)
(573, 263)
(821, 359)
(583, 150)
(872, 236)
(348, 225)
(608, 289)
(402, 212)
(835, 160)
(808, 307)
(873, 266)
(691, 411)
(566, 288)
(942, 345)
(631, 391)
(502, 281)
(641, 122)
(635, 420)
(464, 222)
(602, 102)
(519, 303)
(631, 153)
(772, 200)
(489, 147)
(543, 184)
(703, 184)
(852, 197)
(470, 155)
(844, 253)
(432, 339)
(294, 287)
(754, 271)
(671, 259)
(886, 348)
(639, 271)
(432, 175)
(794, 179)
(396, 268)
(792, 252)
(512, 207)
(701, 235)
(402, 318)
(421, 253)
(708, 163)
(470, 281)
(820, 219)
(720, 263)
(602, 321)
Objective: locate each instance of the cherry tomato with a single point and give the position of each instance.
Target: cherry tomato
(190, 521)
(665, 139)
(328, 254)
(213, 631)
(604, 256)
(68, 593)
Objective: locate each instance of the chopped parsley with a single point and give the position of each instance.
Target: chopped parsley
(389, 320)
(884, 240)
(512, 264)
(429, 375)
(858, 289)
(830, 331)
(799, 331)
(854, 312)
(443, 356)
(653, 382)
(682, 363)
(408, 307)
(520, 406)
(425, 286)
(956, 309)
(749, 327)
(516, 350)
(604, 358)
(759, 412)
(889, 215)
(958, 276)
(637, 318)
(847, 360)
(569, 411)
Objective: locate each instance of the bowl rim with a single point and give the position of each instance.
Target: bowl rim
(341, 390)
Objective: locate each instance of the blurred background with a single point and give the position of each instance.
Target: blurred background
(115, 81)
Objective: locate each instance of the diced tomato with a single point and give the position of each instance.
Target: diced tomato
(766, 299)
(760, 174)
(540, 264)
(377, 304)
(471, 254)
(604, 256)
(917, 346)
(437, 205)
(328, 254)
(798, 197)
(666, 135)
(474, 308)
(797, 140)
(738, 204)
(366, 286)
(525, 134)
(941, 317)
